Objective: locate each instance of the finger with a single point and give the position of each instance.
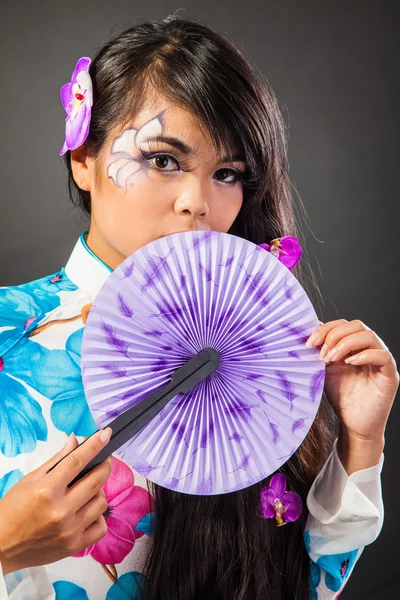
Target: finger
(319, 334)
(86, 488)
(94, 532)
(74, 462)
(70, 445)
(377, 358)
(95, 508)
(351, 343)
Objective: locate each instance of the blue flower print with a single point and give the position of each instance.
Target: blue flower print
(66, 590)
(126, 587)
(46, 289)
(337, 566)
(147, 524)
(21, 419)
(57, 375)
(9, 480)
(22, 306)
(315, 571)
(18, 310)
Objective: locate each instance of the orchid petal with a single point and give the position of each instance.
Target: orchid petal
(63, 150)
(291, 251)
(267, 511)
(85, 82)
(295, 507)
(278, 485)
(77, 130)
(82, 65)
(67, 97)
(286, 249)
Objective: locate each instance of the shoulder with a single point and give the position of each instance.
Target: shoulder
(23, 306)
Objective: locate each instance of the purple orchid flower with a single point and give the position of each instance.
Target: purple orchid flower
(276, 502)
(77, 99)
(286, 249)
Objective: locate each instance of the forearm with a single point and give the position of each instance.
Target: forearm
(356, 454)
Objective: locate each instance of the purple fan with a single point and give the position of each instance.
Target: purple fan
(165, 303)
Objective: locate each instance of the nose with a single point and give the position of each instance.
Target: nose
(192, 199)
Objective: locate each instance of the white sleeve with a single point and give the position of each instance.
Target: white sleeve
(3, 589)
(345, 514)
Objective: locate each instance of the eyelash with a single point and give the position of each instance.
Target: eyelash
(150, 155)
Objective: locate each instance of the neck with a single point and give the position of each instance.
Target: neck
(102, 249)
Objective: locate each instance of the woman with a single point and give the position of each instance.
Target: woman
(179, 133)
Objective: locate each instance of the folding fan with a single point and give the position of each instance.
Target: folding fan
(194, 353)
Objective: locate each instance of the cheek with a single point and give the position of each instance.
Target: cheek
(127, 216)
(228, 207)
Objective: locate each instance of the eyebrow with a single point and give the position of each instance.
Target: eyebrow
(186, 150)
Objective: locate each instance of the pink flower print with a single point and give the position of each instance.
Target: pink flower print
(127, 505)
(77, 99)
(126, 156)
(29, 321)
(56, 279)
(344, 567)
(286, 249)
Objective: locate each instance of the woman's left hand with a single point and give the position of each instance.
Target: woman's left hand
(362, 393)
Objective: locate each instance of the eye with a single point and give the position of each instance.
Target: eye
(238, 175)
(161, 161)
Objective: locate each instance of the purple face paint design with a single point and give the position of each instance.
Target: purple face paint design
(126, 156)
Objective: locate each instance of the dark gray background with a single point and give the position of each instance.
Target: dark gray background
(334, 67)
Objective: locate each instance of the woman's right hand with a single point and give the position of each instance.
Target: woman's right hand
(42, 520)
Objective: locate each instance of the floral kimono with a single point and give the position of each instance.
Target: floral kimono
(42, 401)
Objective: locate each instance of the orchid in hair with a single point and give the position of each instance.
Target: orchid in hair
(276, 502)
(77, 99)
(286, 249)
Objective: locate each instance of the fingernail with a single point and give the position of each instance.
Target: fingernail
(352, 359)
(324, 350)
(105, 435)
(312, 339)
(328, 357)
(66, 443)
(68, 440)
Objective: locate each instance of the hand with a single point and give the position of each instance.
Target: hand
(362, 393)
(42, 520)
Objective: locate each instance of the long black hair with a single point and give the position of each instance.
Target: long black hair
(215, 547)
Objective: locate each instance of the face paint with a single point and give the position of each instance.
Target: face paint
(126, 157)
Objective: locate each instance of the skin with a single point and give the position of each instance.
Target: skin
(43, 520)
(361, 384)
(135, 201)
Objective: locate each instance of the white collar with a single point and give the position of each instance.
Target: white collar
(85, 269)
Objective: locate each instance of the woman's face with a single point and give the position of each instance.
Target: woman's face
(137, 199)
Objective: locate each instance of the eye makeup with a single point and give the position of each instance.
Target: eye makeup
(128, 157)
(184, 165)
(186, 150)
